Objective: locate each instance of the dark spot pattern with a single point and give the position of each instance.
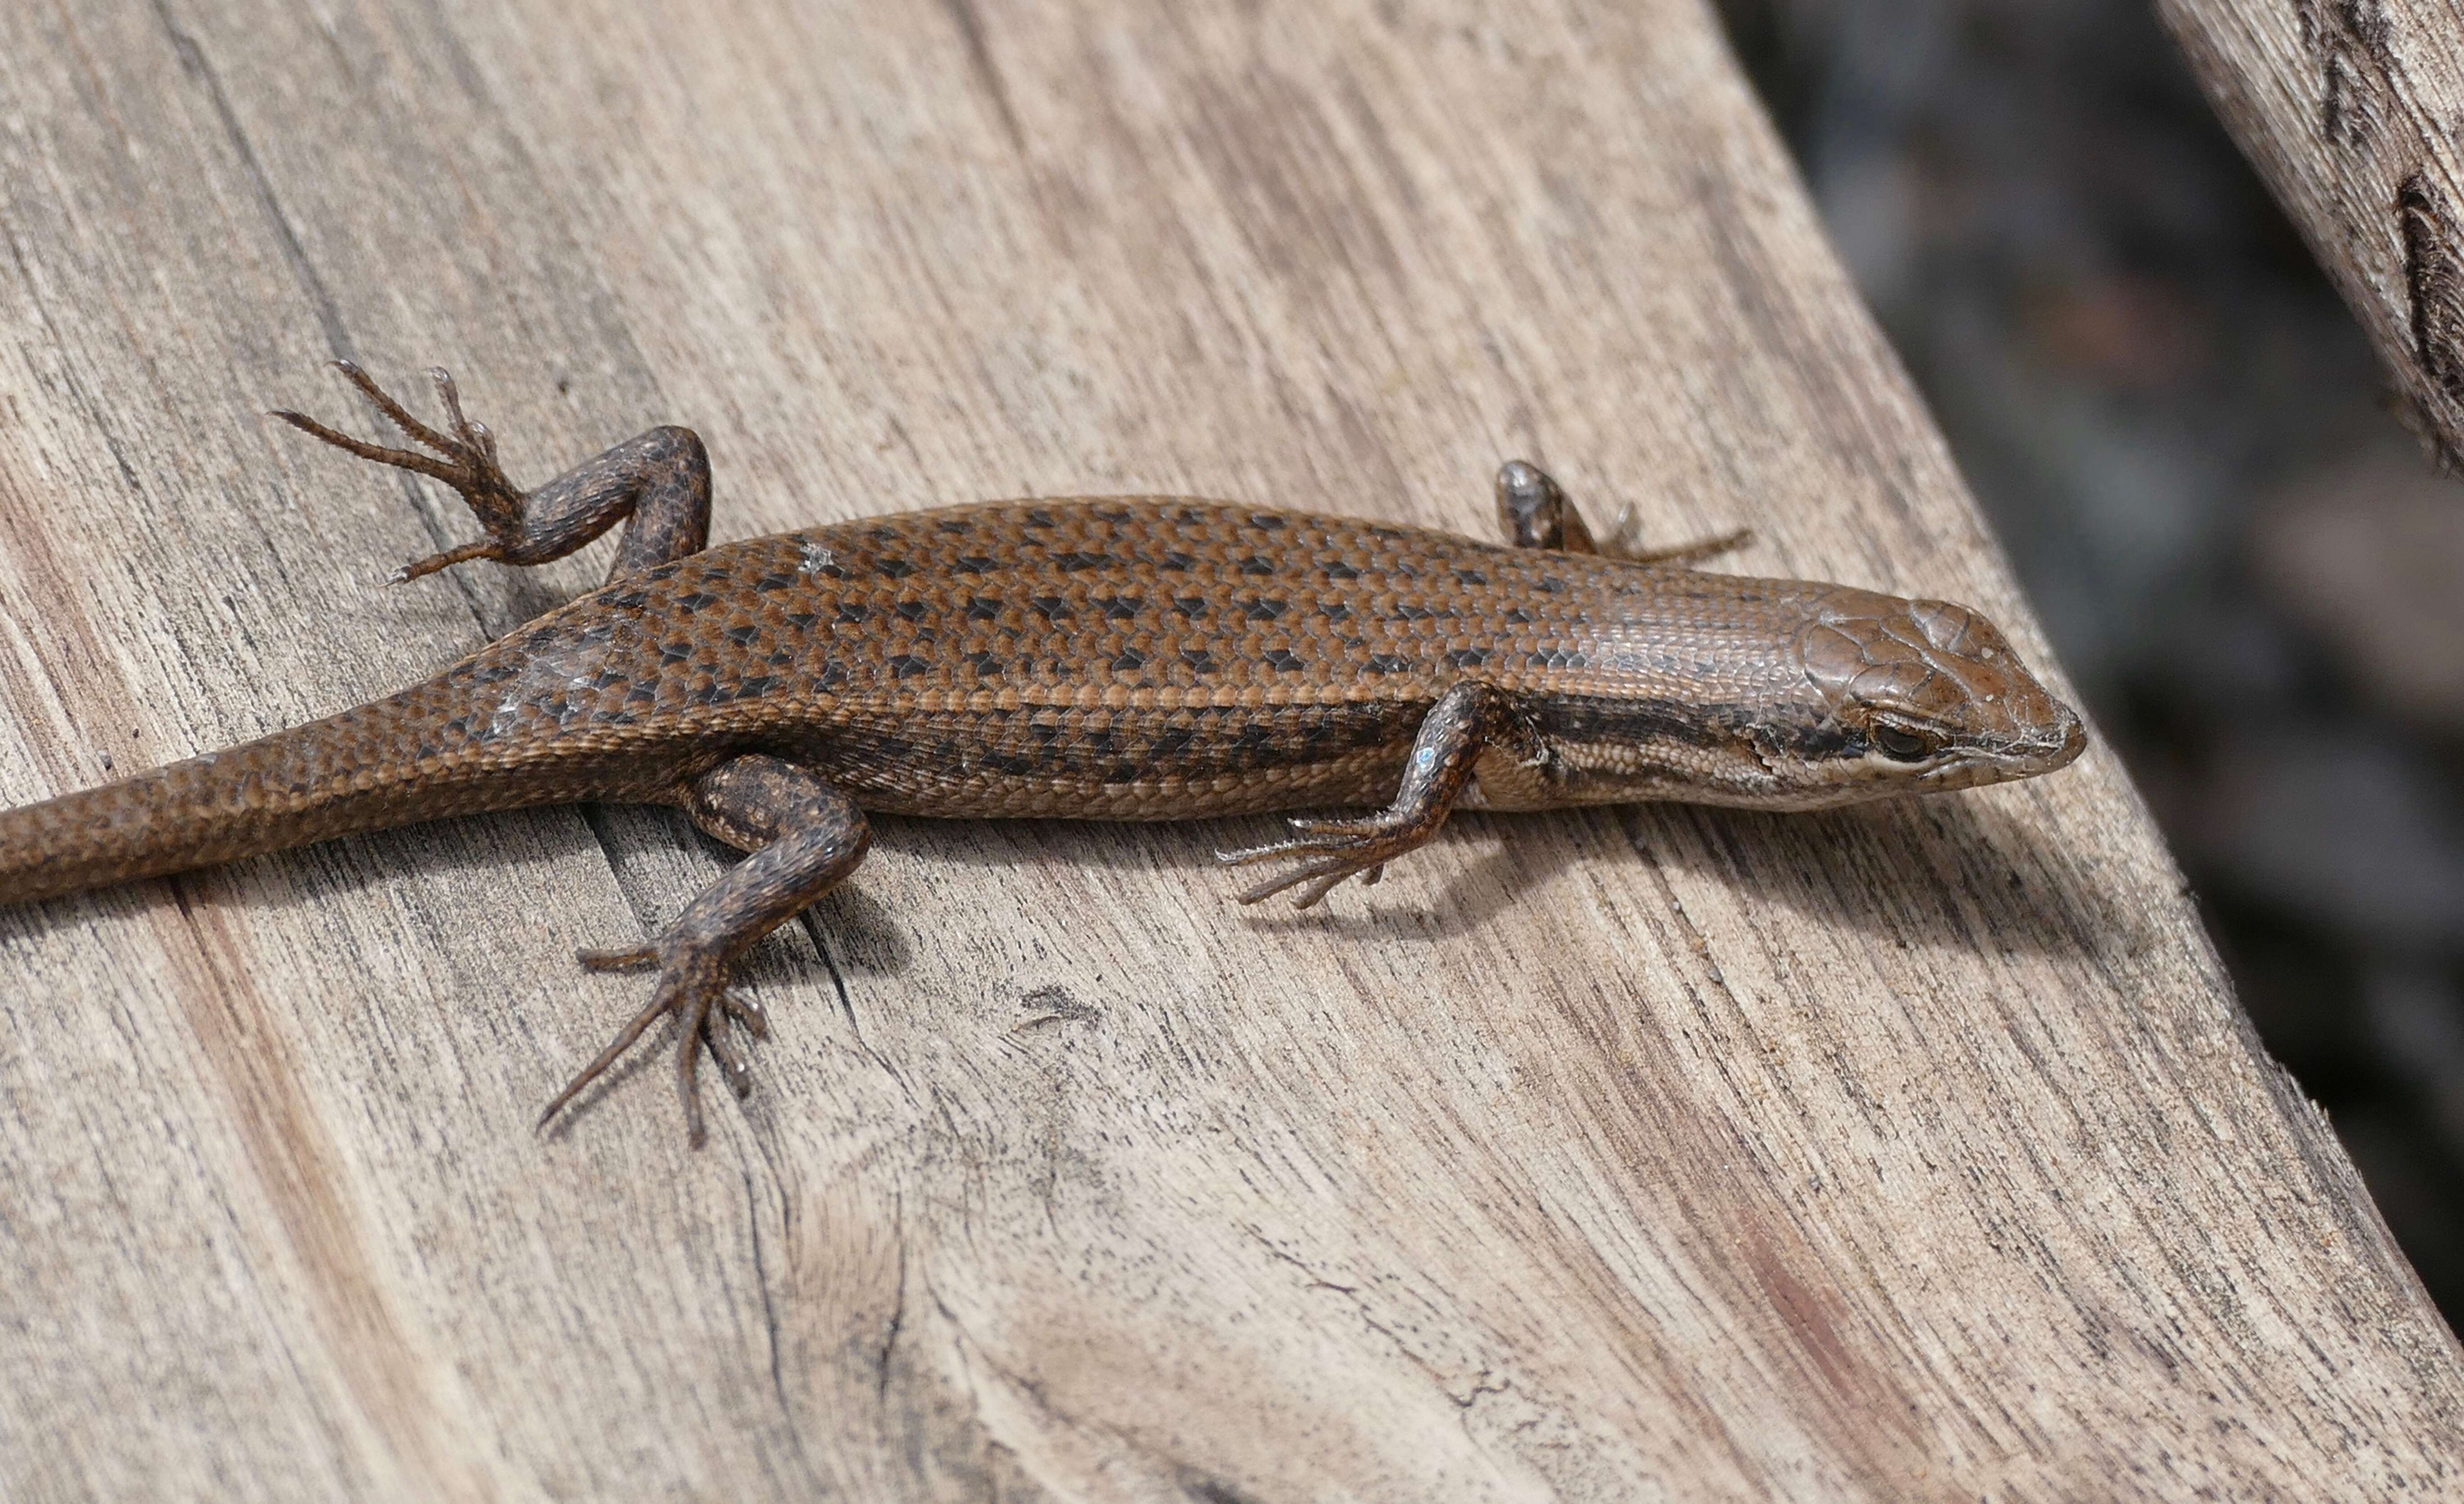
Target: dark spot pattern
(1133, 651)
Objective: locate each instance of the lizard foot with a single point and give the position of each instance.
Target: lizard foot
(469, 465)
(1341, 848)
(693, 986)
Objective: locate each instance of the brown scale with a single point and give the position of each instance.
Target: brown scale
(1127, 659)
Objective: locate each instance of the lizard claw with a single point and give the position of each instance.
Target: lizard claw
(1625, 541)
(1341, 847)
(465, 459)
(694, 987)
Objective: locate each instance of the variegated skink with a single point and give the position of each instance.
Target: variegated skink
(1106, 659)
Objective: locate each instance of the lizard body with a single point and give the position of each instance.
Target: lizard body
(1119, 658)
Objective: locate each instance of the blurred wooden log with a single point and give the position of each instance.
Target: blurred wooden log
(2351, 109)
(1907, 1152)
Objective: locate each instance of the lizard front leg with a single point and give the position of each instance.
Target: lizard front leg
(806, 837)
(657, 483)
(1468, 720)
(1535, 512)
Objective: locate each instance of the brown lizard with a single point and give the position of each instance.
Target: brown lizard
(1106, 659)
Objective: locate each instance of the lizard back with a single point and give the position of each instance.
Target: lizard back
(1117, 658)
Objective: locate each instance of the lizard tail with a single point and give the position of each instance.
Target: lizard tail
(394, 761)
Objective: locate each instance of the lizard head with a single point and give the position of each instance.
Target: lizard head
(1781, 694)
(1925, 695)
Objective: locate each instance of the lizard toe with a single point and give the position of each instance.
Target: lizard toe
(692, 986)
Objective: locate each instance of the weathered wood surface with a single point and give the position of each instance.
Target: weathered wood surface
(2353, 111)
(1910, 1152)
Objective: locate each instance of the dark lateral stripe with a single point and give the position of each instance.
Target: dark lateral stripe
(1689, 724)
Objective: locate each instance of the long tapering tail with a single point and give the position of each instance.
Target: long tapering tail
(394, 761)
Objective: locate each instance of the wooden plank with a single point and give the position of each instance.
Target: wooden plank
(2349, 112)
(1912, 1151)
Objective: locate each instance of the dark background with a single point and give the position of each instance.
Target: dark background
(2248, 565)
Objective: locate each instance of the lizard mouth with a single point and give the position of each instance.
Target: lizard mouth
(1966, 767)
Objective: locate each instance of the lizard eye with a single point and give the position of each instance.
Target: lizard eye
(1905, 745)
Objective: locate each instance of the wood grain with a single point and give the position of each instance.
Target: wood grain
(1914, 1152)
(2351, 111)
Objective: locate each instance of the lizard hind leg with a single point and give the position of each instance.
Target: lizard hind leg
(656, 483)
(806, 837)
(1536, 513)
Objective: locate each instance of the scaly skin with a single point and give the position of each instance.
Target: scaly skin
(1115, 659)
